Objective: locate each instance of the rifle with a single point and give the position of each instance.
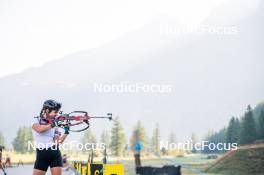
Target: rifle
(79, 120)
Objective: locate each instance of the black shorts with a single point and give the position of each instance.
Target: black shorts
(48, 158)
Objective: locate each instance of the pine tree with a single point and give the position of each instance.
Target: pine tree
(118, 139)
(238, 129)
(105, 138)
(27, 137)
(88, 140)
(261, 124)
(248, 132)
(232, 135)
(172, 138)
(215, 137)
(194, 141)
(156, 140)
(2, 139)
(18, 140)
(88, 137)
(20, 143)
(139, 135)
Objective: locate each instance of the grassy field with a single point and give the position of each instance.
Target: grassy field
(191, 164)
(242, 162)
(245, 161)
(16, 157)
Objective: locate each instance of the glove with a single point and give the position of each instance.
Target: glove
(66, 129)
(56, 123)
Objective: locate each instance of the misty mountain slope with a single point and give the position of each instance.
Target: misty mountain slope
(213, 77)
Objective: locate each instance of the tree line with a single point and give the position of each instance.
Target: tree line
(115, 140)
(20, 143)
(243, 130)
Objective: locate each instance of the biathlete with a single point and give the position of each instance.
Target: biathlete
(47, 139)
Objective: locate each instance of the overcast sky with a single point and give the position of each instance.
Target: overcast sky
(33, 32)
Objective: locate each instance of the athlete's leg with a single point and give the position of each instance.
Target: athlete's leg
(56, 170)
(38, 172)
(41, 164)
(56, 164)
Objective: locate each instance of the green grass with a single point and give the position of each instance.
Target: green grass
(190, 164)
(242, 162)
